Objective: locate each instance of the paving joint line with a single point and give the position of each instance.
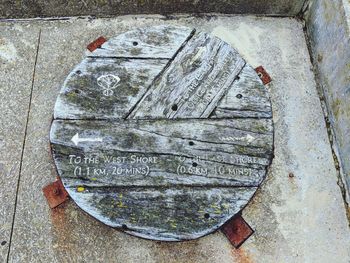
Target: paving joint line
(23, 146)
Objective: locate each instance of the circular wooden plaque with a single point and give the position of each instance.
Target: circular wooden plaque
(164, 132)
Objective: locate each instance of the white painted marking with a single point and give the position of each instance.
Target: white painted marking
(108, 83)
(248, 138)
(76, 139)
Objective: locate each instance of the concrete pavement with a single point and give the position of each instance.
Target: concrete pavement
(298, 214)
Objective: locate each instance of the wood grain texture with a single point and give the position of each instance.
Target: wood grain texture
(83, 98)
(149, 42)
(167, 214)
(164, 144)
(199, 152)
(200, 75)
(247, 98)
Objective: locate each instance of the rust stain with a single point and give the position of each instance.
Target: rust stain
(62, 231)
(241, 256)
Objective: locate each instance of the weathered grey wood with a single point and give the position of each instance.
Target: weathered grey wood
(166, 136)
(165, 147)
(246, 98)
(164, 213)
(150, 42)
(84, 97)
(229, 157)
(194, 83)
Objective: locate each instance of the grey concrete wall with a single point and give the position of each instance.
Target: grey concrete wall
(328, 28)
(53, 8)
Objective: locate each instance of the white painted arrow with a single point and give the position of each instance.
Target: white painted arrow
(76, 139)
(247, 138)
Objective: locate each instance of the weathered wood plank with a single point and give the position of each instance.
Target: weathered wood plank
(201, 138)
(163, 213)
(119, 168)
(150, 42)
(105, 88)
(162, 152)
(247, 97)
(195, 81)
(150, 152)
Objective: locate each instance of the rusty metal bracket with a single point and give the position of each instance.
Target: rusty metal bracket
(237, 230)
(55, 193)
(263, 75)
(96, 43)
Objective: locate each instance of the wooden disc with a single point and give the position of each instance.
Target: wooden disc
(164, 132)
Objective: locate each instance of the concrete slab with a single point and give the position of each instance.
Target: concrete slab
(297, 218)
(328, 27)
(18, 45)
(299, 214)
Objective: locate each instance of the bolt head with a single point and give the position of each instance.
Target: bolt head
(56, 191)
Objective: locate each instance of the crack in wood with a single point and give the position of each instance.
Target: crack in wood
(91, 189)
(160, 73)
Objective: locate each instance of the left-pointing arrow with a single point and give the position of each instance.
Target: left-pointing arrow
(76, 139)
